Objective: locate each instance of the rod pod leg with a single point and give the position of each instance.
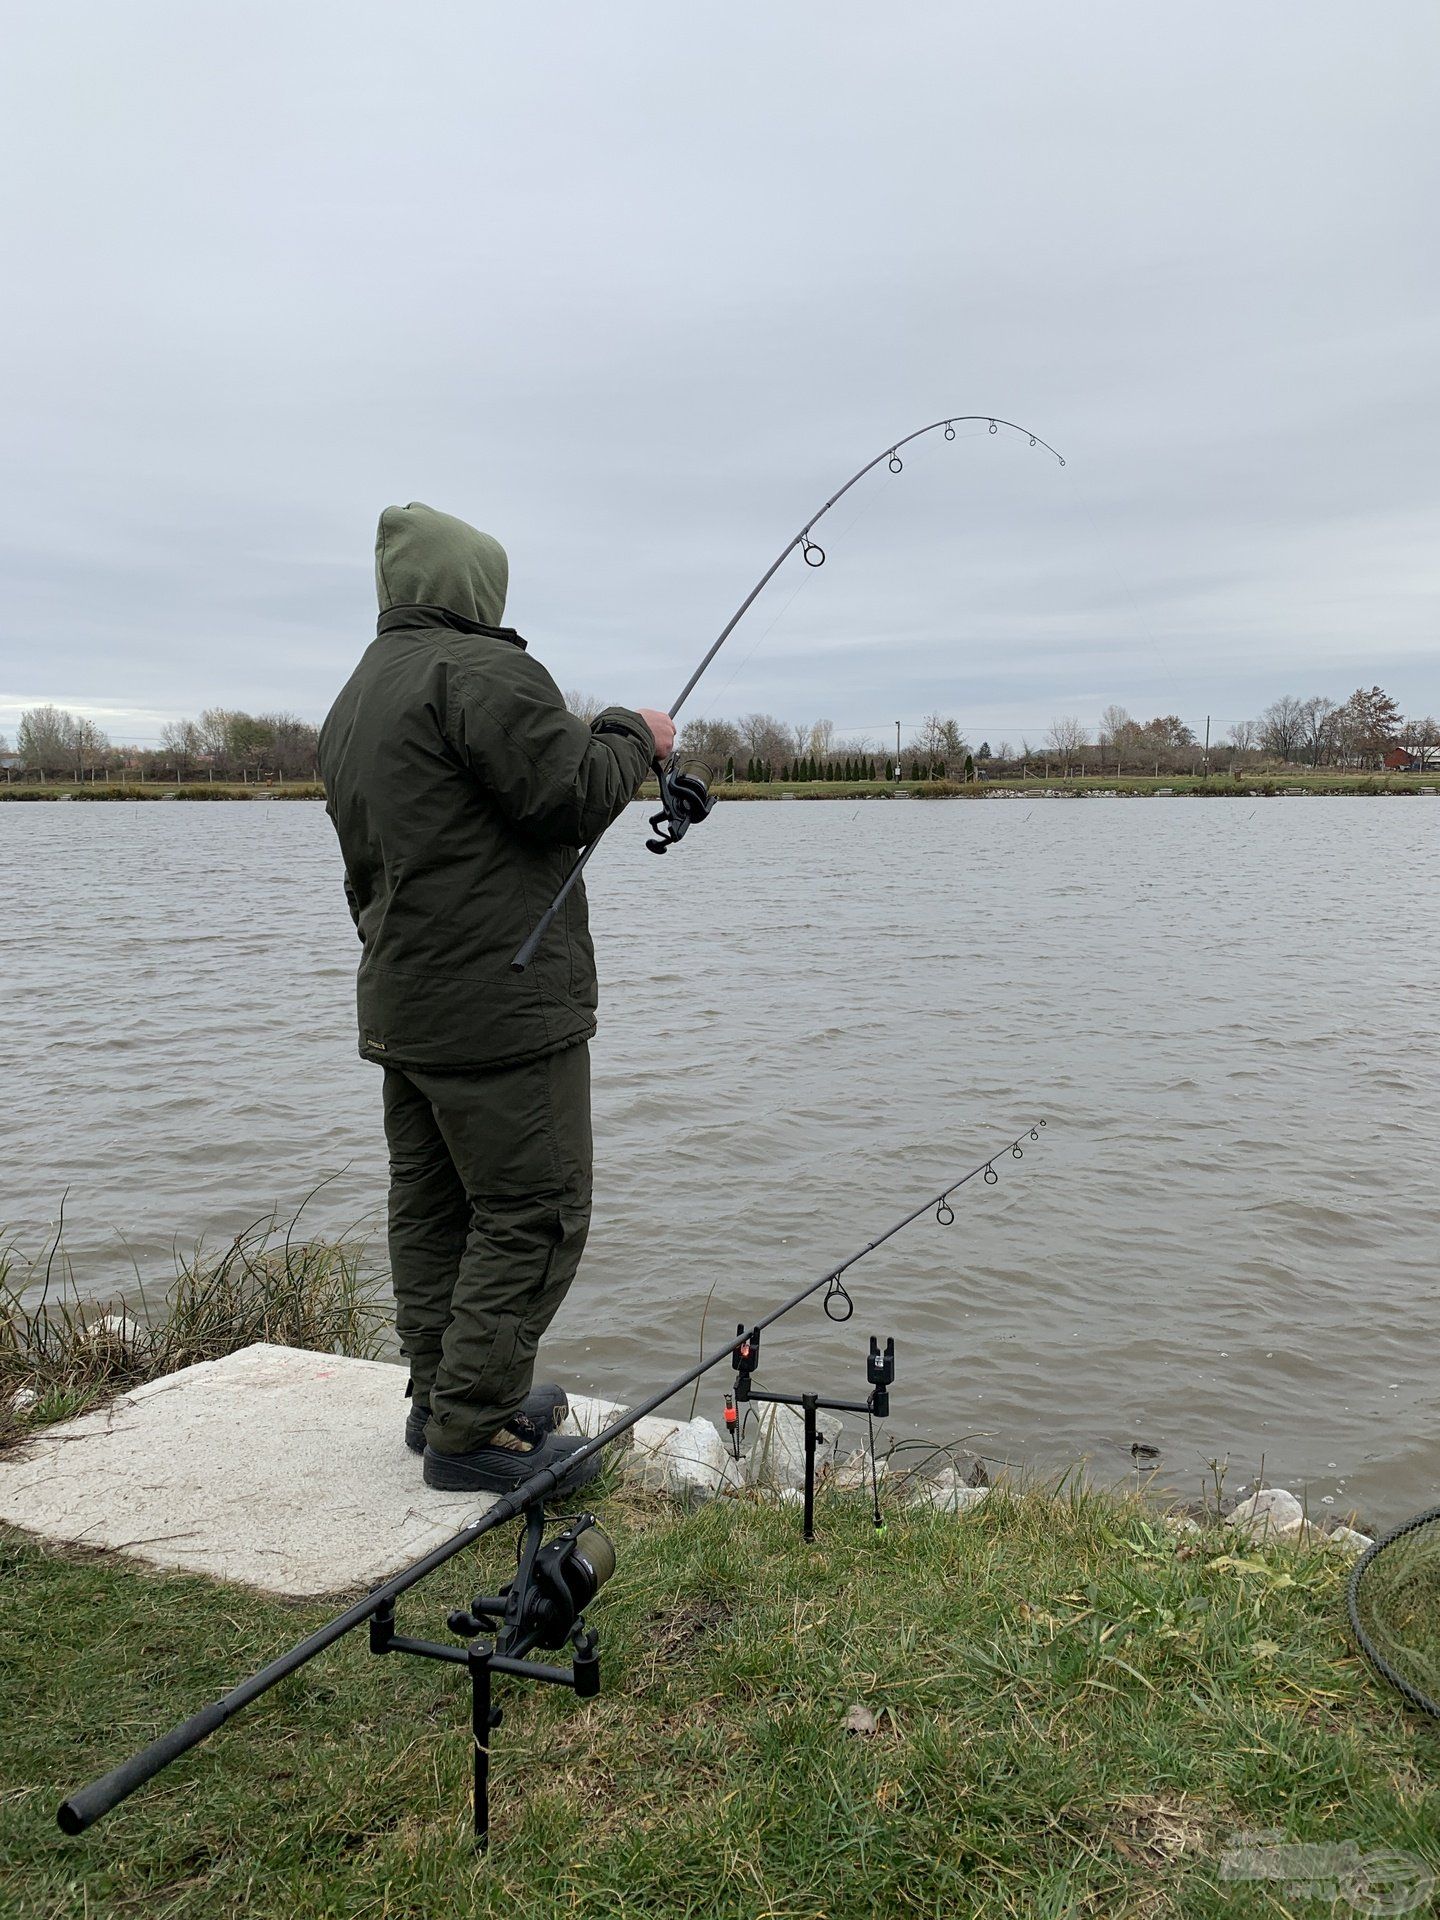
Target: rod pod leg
(482, 1719)
(810, 1403)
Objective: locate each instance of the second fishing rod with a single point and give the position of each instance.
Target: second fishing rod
(543, 1605)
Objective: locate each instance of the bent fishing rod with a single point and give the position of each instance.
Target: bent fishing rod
(543, 1606)
(684, 797)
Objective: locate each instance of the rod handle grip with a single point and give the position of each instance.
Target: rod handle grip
(90, 1803)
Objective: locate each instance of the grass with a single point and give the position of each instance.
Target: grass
(1076, 1710)
(61, 1354)
(1249, 786)
(162, 790)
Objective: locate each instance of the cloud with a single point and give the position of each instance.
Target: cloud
(638, 287)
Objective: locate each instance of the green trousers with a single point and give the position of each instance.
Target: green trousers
(490, 1183)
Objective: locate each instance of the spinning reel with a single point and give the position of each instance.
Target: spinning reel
(543, 1606)
(685, 801)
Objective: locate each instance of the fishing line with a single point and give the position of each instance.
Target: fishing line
(1143, 625)
(803, 582)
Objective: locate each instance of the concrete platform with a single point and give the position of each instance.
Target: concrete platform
(274, 1467)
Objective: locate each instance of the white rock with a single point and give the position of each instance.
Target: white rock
(679, 1457)
(1348, 1540)
(946, 1492)
(853, 1475)
(589, 1416)
(776, 1453)
(1271, 1514)
(122, 1327)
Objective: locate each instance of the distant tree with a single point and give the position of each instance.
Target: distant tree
(1002, 752)
(1066, 736)
(1282, 727)
(969, 767)
(766, 737)
(1244, 736)
(940, 739)
(1319, 728)
(729, 769)
(1168, 731)
(710, 742)
(1368, 725)
(821, 737)
(587, 706)
(183, 742)
(1115, 728)
(43, 738)
(51, 737)
(982, 752)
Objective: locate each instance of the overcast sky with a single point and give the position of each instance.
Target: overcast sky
(635, 287)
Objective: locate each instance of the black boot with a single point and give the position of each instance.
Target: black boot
(542, 1410)
(500, 1468)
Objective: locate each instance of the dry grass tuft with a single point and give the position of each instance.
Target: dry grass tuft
(60, 1353)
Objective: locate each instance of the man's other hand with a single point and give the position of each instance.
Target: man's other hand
(663, 728)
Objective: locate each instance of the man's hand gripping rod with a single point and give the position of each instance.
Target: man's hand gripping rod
(684, 799)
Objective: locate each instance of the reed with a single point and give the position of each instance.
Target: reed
(60, 1353)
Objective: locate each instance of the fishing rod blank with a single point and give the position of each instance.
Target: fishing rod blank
(682, 806)
(90, 1803)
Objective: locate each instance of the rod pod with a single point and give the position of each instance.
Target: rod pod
(879, 1371)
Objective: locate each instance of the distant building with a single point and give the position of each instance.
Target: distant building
(1419, 760)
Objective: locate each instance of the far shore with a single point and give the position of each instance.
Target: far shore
(1056, 785)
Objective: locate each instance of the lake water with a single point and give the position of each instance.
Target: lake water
(1224, 1245)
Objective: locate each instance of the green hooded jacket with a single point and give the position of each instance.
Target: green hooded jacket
(461, 788)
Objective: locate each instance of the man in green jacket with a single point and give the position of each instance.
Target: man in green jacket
(461, 788)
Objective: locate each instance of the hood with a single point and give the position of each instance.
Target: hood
(428, 559)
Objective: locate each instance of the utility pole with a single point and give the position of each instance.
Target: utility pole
(897, 753)
(1207, 746)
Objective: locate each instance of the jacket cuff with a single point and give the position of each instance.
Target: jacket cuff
(625, 720)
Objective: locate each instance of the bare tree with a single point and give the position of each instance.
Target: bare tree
(711, 742)
(765, 738)
(584, 706)
(1318, 728)
(1116, 728)
(183, 741)
(1244, 735)
(53, 737)
(1066, 736)
(941, 739)
(1282, 726)
(820, 740)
